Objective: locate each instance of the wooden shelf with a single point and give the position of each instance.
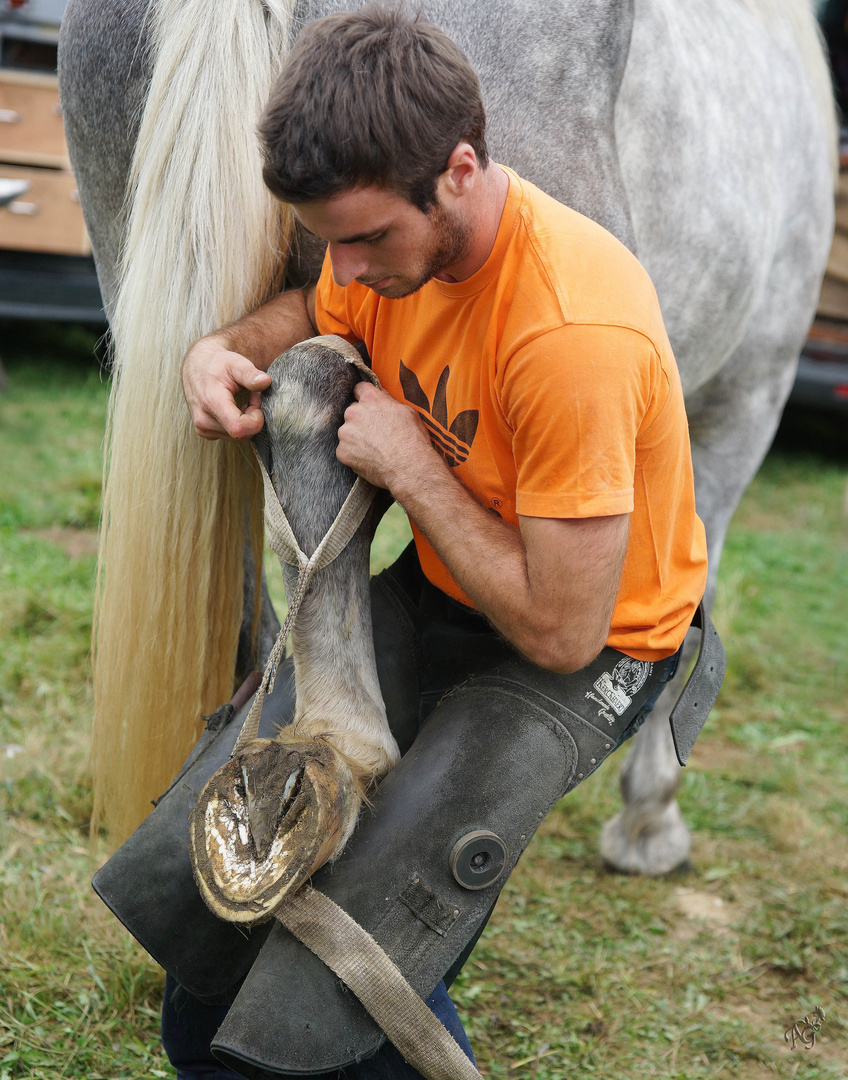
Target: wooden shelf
(47, 217)
(31, 128)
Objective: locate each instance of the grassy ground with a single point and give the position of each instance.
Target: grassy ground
(580, 972)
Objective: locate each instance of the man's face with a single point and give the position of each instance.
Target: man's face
(378, 238)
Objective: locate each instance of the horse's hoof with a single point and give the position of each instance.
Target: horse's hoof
(653, 845)
(268, 819)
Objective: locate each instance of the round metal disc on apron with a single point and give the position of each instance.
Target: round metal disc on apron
(478, 859)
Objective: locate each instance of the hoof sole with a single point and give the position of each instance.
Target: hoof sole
(270, 817)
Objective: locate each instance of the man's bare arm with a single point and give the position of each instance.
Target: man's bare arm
(236, 358)
(549, 587)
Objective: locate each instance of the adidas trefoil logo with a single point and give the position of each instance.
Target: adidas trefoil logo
(453, 441)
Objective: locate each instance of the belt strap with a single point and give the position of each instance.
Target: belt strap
(701, 689)
(350, 951)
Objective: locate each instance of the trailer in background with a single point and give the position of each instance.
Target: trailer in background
(46, 269)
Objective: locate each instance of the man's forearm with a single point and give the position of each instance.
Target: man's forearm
(485, 555)
(549, 587)
(268, 331)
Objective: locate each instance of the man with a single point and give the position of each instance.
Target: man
(531, 420)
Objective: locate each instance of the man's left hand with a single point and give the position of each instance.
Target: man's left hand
(382, 440)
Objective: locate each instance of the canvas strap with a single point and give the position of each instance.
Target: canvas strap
(362, 965)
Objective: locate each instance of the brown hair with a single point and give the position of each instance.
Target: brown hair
(375, 96)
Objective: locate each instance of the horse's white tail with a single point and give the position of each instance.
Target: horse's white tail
(205, 243)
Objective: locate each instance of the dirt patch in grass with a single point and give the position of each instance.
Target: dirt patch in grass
(704, 906)
(714, 754)
(76, 543)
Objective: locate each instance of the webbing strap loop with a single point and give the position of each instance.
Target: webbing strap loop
(282, 541)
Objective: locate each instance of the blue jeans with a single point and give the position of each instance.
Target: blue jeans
(189, 1025)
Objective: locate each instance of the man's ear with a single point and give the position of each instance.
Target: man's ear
(461, 171)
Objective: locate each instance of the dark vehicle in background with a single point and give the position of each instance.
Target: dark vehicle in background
(46, 269)
(822, 379)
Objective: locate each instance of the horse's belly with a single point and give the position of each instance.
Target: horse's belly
(724, 154)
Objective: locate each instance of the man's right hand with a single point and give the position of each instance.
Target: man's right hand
(216, 368)
(212, 376)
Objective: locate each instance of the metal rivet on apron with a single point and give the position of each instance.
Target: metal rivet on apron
(593, 761)
(606, 746)
(580, 776)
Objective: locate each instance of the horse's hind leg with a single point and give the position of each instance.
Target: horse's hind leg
(104, 70)
(648, 835)
(732, 423)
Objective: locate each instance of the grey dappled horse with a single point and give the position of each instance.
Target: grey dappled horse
(699, 133)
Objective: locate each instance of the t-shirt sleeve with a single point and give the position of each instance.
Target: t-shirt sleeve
(576, 399)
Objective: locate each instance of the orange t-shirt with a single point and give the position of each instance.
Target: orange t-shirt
(547, 382)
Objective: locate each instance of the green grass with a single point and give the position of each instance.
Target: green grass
(580, 973)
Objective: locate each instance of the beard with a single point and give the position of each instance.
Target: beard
(449, 243)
